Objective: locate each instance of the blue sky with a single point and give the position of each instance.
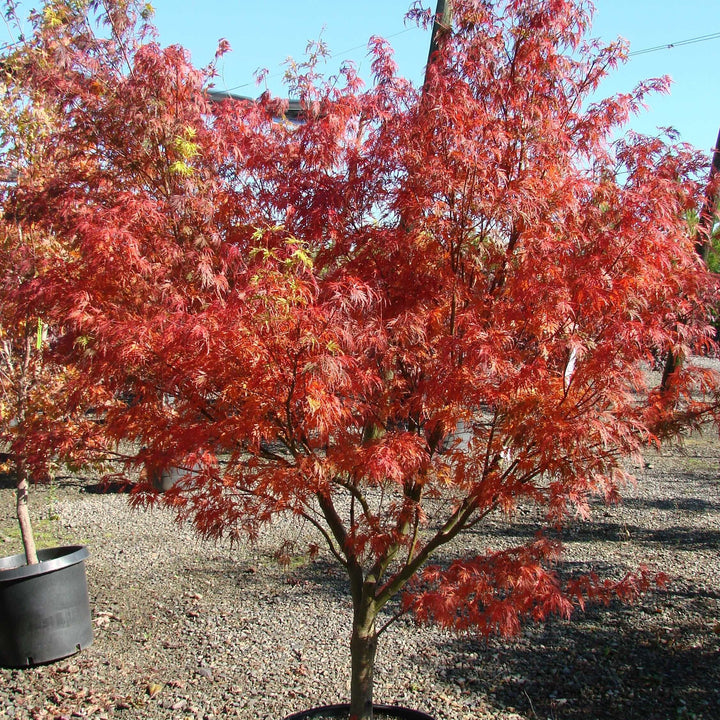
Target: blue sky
(263, 33)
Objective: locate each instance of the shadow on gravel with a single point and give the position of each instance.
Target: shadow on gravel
(680, 537)
(682, 474)
(672, 504)
(310, 578)
(109, 488)
(7, 481)
(650, 662)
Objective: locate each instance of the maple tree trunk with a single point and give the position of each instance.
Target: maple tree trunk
(363, 647)
(703, 245)
(22, 510)
(672, 363)
(23, 514)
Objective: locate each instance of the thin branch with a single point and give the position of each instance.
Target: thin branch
(328, 540)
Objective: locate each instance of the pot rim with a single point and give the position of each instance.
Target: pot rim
(14, 567)
(399, 712)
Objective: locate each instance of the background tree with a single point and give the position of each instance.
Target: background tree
(40, 426)
(38, 429)
(408, 312)
(704, 226)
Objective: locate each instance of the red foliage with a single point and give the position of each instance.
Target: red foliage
(42, 418)
(407, 311)
(497, 592)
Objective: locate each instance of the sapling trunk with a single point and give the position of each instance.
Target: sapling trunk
(23, 515)
(30, 342)
(363, 647)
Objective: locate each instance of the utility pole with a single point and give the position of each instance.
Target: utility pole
(442, 25)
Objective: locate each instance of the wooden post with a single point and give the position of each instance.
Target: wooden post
(441, 27)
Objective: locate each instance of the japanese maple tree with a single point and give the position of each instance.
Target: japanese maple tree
(411, 310)
(40, 426)
(29, 387)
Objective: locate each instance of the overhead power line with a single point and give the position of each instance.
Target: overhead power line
(7, 46)
(672, 45)
(331, 56)
(634, 53)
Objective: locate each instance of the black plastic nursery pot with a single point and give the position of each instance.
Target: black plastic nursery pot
(44, 608)
(342, 712)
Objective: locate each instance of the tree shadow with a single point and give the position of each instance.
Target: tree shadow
(680, 537)
(672, 504)
(109, 487)
(653, 661)
(7, 481)
(304, 577)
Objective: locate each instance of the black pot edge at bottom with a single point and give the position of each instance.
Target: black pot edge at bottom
(342, 710)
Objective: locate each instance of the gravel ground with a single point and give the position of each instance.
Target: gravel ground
(189, 629)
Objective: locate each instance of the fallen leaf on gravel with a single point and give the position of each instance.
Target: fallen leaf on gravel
(153, 689)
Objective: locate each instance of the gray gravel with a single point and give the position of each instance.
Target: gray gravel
(191, 629)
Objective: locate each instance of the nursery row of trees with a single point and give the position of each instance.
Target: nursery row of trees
(303, 314)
